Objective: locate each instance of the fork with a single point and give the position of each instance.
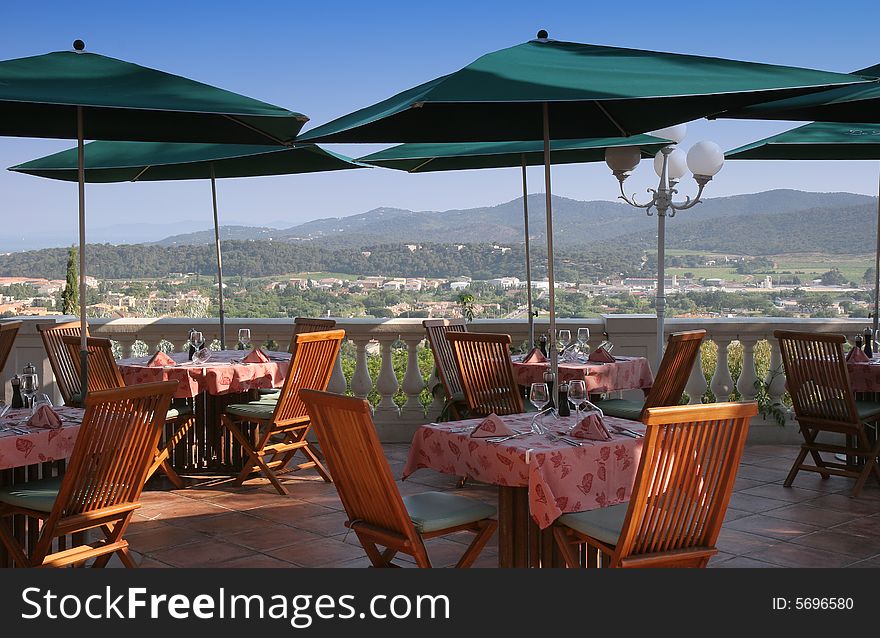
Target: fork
(556, 438)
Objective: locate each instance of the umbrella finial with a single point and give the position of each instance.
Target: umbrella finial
(79, 46)
(542, 35)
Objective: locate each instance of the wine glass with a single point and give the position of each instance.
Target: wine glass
(244, 338)
(539, 396)
(201, 355)
(577, 394)
(30, 384)
(564, 339)
(40, 399)
(583, 337)
(197, 339)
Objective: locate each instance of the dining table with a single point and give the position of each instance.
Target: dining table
(539, 476)
(624, 373)
(207, 387)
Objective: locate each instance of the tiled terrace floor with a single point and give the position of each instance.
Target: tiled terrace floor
(216, 524)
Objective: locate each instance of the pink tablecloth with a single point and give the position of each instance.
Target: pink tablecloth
(560, 478)
(628, 373)
(37, 445)
(864, 377)
(219, 375)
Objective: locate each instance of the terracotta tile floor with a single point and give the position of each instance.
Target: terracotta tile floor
(214, 523)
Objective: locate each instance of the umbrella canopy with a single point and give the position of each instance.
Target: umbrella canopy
(857, 103)
(107, 162)
(40, 95)
(593, 91)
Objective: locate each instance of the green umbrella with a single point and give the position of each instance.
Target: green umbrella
(824, 141)
(546, 89)
(424, 158)
(160, 161)
(74, 94)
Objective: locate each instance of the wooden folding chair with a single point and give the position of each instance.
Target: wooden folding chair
(8, 331)
(103, 483)
(59, 356)
(104, 374)
(376, 512)
(304, 325)
(688, 464)
(486, 373)
(682, 350)
(444, 360)
(284, 424)
(818, 381)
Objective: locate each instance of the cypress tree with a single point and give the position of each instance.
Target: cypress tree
(70, 296)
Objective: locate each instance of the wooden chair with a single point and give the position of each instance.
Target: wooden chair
(284, 424)
(8, 331)
(104, 375)
(376, 512)
(103, 483)
(682, 350)
(818, 382)
(444, 360)
(63, 366)
(483, 364)
(304, 325)
(688, 464)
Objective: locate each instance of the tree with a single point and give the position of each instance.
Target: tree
(70, 296)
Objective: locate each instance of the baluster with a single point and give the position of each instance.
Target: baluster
(696, 385)
(413, 383)
(361, 381)
(775, 379)
(386, 383)
(722, 382)
(337, 383)
(747, 376)
(126, 345)
(436, 405)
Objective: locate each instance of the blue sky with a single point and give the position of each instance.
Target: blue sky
(325, 59)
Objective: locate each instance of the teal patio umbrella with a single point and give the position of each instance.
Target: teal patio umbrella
(824, 141)
(425, 158)
(546, 89)
(160, 161)
(79, 95)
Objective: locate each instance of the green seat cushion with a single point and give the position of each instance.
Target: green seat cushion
(867, 409)
(432, 511)
(621, 408)
(255, 410)
(178, 410)
(35, 495)
(603, 524)
(269, 391)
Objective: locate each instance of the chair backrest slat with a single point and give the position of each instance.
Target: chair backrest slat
(483, 363)
(104, 374)
(447, 370)
(682, 349)
(63, 367)
(8, 331)
(348, 439)
(310, 368)
(817, 378)
(304, 325)
(689, 460)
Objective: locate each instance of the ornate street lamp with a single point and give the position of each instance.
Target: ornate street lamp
(704, 159)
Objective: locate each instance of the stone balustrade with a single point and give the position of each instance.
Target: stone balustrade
(399, 409)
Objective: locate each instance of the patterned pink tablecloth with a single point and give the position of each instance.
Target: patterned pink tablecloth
(627, 373)
(864, 377)
(219, 375)
(36, 445)
(560, 478)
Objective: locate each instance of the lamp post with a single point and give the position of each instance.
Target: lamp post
(704, 159)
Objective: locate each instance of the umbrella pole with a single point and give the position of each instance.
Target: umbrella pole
(660, 301)
(528, 256)
(219, 260)
(551, 339)
(83, 326)
(877, 270)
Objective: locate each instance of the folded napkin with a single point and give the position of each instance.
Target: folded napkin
(160, 359)
(601, 355)
(45, 417)
(535, 356)
(857, 356)
(256, 356)
(492, 425)
(591, 427)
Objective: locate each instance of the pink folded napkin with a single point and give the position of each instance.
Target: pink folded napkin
(256, 356)
(45, 417)
(535, 356)
(601, 355)
(160, 359)
(857, 356)
(492, 425)
(591, 427)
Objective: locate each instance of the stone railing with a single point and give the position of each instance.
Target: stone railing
(632, 335)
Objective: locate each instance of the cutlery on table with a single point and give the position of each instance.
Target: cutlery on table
(627, 432)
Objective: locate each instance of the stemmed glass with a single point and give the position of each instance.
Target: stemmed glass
(577, 394)
(583, 338)
(39, 401)
(202, 354)
(539, 396)
(564, 339)
(30, 384)
(244, 339)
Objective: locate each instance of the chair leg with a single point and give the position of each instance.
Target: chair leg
(870, 467)
(566, 547)
(421, 555)
(484, 533)
(12, 546)
(307, 450)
